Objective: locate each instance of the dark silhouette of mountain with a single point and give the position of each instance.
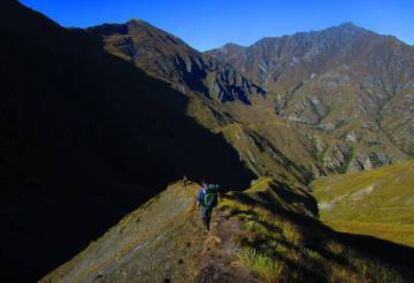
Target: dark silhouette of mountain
(85, 138)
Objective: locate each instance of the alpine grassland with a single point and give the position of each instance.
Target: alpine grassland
(378, 202)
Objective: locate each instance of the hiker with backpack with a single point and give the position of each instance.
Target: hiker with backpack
(206, 200)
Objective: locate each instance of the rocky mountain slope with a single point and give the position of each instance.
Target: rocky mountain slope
(167, 57)
(333, 103)
(379, 202)
(248, 123)
(344, 81)
(85, 138)
(259, 235)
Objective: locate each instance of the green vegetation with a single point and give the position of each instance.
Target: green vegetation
(259, 263)
(281, 246)
(379, 202)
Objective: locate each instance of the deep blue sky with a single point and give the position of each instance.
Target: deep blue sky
(212, 23)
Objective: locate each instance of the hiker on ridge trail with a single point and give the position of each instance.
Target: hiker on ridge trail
(206, 200)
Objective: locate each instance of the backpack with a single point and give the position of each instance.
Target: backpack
(210, 195)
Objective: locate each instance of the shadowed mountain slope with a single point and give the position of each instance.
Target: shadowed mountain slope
(85, 138)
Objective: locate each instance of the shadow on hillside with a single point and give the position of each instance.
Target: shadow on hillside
(290, 196)
(316, 236)
(86, 138)
(389, 252)
(278, 194)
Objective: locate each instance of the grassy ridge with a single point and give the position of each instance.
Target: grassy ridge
(378, 202)
(267, 233)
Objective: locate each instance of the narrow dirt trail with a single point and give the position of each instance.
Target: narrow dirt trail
(218, 262)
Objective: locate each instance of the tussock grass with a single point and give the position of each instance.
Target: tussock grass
(260, 263)
(278, 249)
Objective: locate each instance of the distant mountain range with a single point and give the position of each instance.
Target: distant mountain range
(350, 83)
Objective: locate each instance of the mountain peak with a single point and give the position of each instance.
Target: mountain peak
(228, 48)
(232, 45)
(135, 20)
(138, 22)
(346, 27)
